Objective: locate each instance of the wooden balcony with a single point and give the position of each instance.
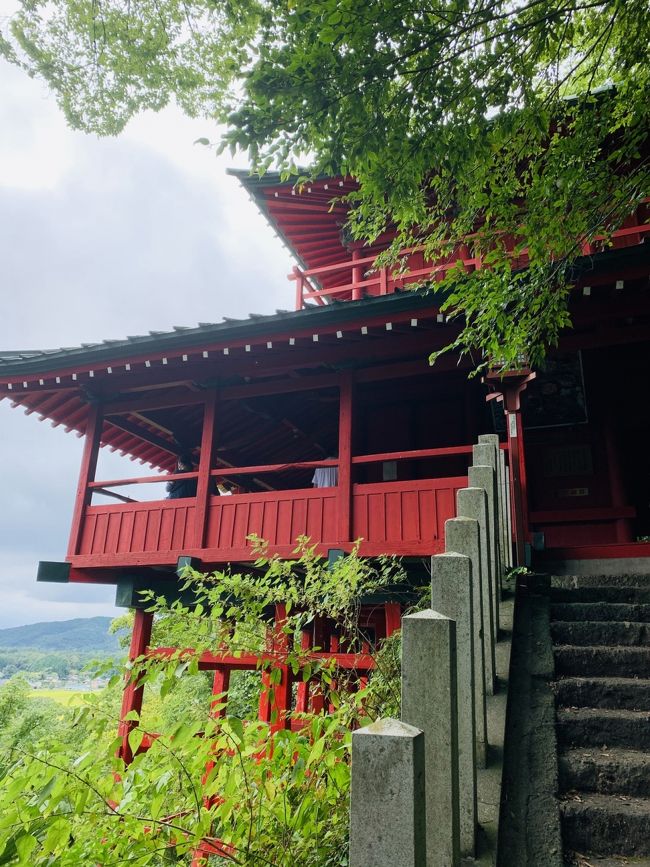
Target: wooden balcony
(402, 517)
(357, 277)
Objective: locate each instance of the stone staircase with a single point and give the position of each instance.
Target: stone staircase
(600, 628)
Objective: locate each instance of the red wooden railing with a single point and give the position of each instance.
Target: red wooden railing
(400, 517)
(357, 277)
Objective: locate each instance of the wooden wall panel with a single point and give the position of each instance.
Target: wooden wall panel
(403, 512)
(404, 516)
(278, 517)
(135, 529)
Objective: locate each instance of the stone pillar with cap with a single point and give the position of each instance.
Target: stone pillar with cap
(472, 503)
(387, 801)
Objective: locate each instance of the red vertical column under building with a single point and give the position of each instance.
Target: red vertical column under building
(508, 387)
(346, 391)
(134, 691)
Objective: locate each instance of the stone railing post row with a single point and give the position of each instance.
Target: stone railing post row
(429, 702)
(505, 541)
(485, 455)
(462, 537)
(472, 503)
(387, 802)
(451, 595)
(484, 477)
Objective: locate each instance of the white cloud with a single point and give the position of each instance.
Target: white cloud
(104, 239)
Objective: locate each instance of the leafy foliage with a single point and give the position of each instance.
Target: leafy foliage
(256, 795)
(524, 121)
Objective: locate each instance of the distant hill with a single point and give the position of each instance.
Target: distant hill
(83, 634)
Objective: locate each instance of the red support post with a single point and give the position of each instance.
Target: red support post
(133, 692)
(281, 693)
(316, 697)
(297, 275)
(383, 280)
(393, 615)
(302, 696)
(346, 391)
(220, 687)
(357, 277)
(86, 473)
(508, 387)
(204, 481)
(335, 647)
(275, 698)
(518, 483)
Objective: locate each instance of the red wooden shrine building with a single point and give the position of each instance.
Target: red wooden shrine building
(343, 382)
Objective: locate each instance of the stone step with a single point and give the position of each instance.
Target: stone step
(625, 595)
(611, 771)
(608, 632)
(603, 661)
(580, 581)
(606, 825)
(579, 860)
(603, 728)
(592, 611)
(626, 693)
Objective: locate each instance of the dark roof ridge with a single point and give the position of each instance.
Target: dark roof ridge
(189, 337)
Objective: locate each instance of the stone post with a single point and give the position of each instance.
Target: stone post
(387, 802)
(429, 702)
(451, 595)
(483, 477)
(504, 543)
(485, 455)
(472, 503)
(462, 537)
(508, 522)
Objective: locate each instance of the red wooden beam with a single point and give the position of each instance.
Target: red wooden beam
(133, 691)
(416, 454)
(86, 473)
(274, 468)
(204, 483)
(344, 496)
(142, 402)
(209, 660)
(256, 389)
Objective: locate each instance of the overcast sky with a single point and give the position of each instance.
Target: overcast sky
(104, 238)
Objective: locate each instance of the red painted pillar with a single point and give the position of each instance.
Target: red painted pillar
(393, 617)
(86, 473)
(300, 284)
(220, 687)
(281, 693)
(275, 698)
(302, 696)
(346, 391)
(357, 290)
(204, 485)
(133, 693)
(383, 280)
(508, 387)
(518, 496)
